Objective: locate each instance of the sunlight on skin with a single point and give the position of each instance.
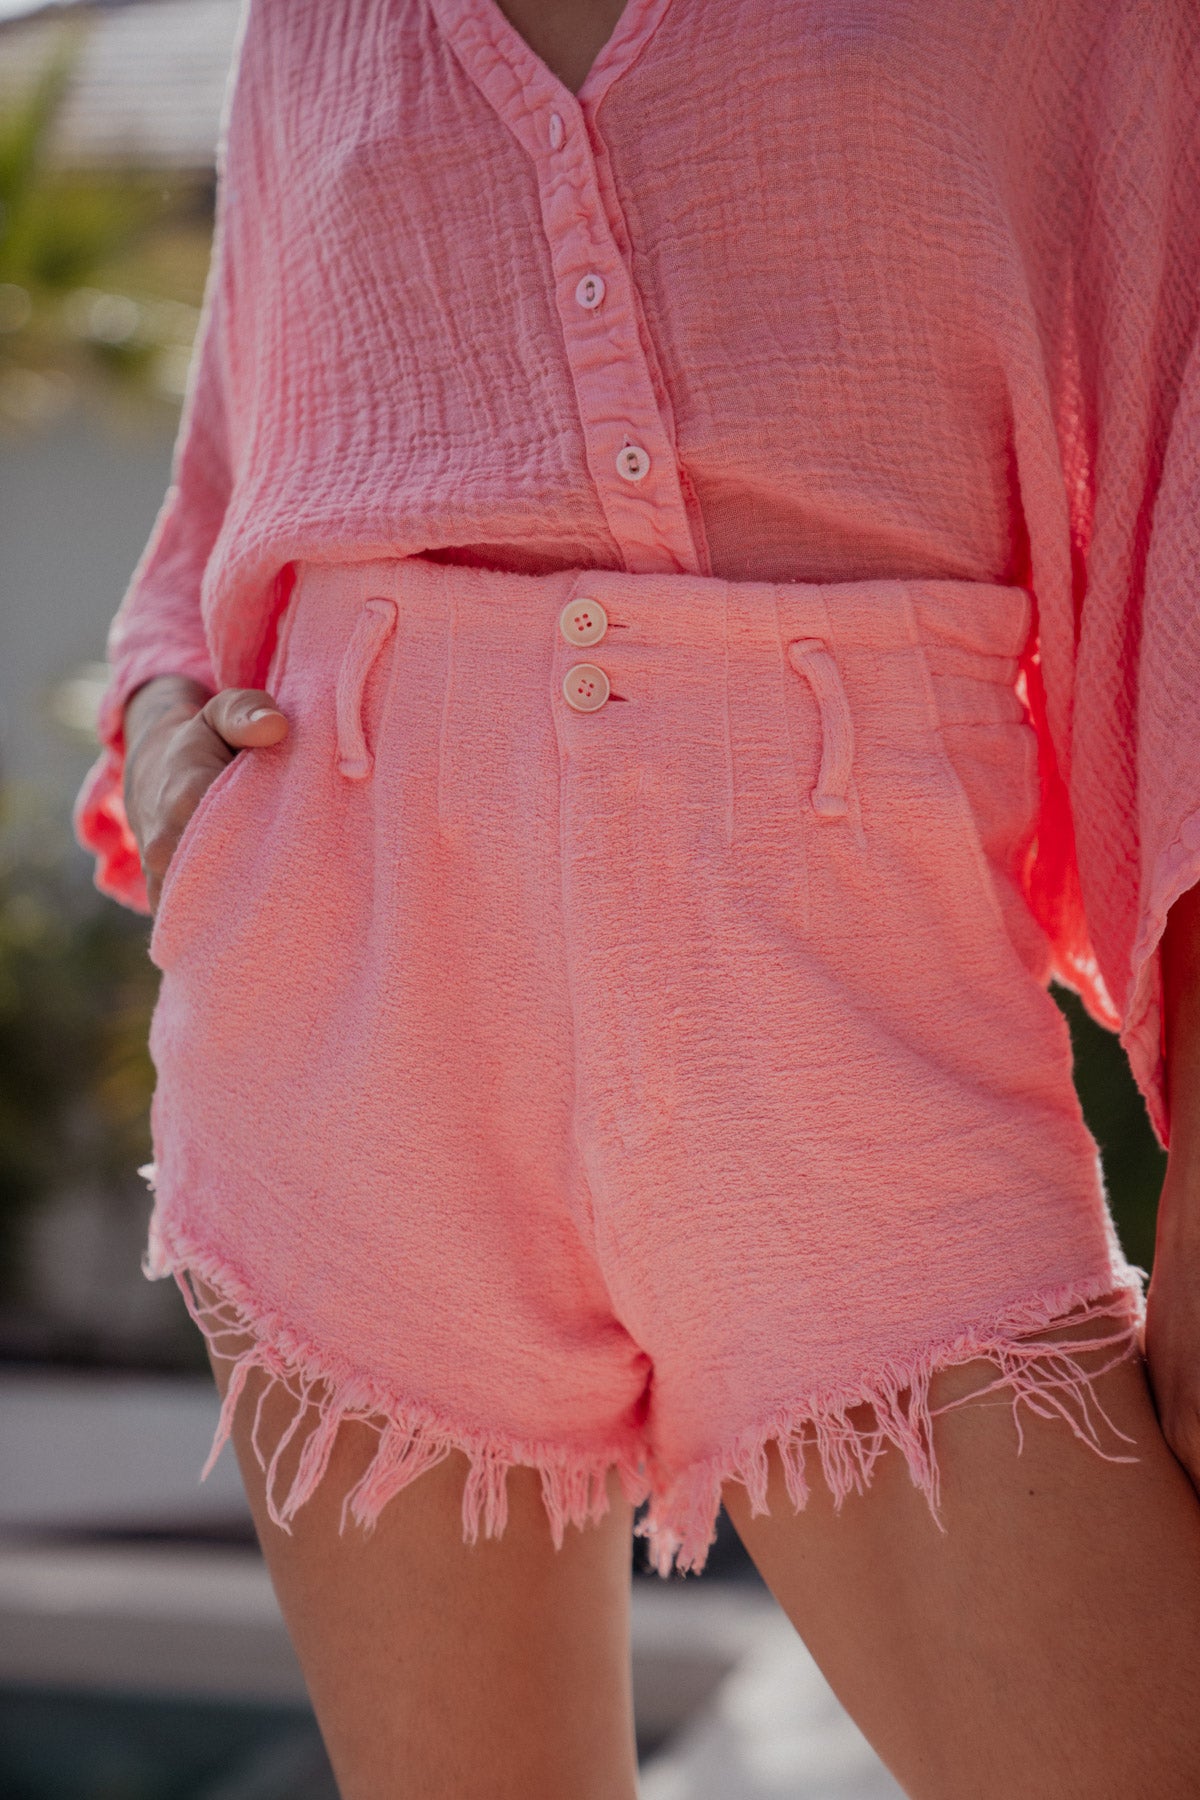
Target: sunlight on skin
(568, 37)
(1009, 1658)
(494, 1671)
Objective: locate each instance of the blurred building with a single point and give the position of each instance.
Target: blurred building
(150, 81)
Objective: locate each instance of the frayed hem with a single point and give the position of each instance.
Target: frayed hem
(1046, 1376)
(412, 1437)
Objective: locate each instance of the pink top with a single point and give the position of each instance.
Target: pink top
(789, 292)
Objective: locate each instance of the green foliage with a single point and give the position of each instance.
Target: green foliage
(1134, 1162)
(57, 226)
(74, 317)
(76, 992)
(24, 127)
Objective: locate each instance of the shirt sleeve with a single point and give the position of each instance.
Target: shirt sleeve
(1167, 737)
(1135, 728)
(159, 626)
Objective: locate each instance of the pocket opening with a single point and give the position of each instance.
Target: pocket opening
(181, 856)
(987, 750)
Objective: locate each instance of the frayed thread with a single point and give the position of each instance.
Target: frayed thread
(412, 1438)
(1043, 1374)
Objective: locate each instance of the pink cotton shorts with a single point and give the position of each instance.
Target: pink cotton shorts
(608, 1033)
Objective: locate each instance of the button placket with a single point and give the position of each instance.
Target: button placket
(629, 452)
(644, 507)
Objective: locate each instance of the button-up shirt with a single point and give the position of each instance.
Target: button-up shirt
(815, 290)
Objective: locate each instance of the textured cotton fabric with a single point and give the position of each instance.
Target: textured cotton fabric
(903, 289)
(625, 1088)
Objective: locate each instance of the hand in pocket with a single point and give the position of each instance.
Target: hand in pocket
(178, 739)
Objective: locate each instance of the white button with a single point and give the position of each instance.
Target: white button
(556, 131)
(590, 291)
(585, 687)
(583, 622)
(632, 462)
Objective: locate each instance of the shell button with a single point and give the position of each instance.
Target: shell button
(632, 462)
(585, 687)
(583, 622)
(590, 291)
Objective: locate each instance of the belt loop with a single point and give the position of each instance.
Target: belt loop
(373, 627)
(812, 658)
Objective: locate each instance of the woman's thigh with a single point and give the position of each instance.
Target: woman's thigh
(442, 1669)
(1047, 1646)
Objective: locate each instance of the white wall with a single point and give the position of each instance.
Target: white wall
(77, 504)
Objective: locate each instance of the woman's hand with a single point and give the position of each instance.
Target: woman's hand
(178, 738)
(1173, 1300)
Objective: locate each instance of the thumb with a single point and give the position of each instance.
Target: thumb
(244, 717)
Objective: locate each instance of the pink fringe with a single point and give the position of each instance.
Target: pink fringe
(1047, 1377)
(411, 1438)
(680, 1525)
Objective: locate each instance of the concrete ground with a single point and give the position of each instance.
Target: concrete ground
(117, 1589)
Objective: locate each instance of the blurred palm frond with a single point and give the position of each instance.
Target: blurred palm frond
(90, 307)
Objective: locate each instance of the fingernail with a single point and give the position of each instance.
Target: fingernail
(262, 712)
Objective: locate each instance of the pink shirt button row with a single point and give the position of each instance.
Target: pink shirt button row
(632, 461)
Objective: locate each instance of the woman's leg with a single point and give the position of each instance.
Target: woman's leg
(442, 1670)
(1047, 1647)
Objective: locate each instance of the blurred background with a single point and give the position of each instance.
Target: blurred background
(141, 1654)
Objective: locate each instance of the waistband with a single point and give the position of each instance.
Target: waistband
(988, 619)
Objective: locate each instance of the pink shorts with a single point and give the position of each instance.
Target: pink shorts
(607, 1033)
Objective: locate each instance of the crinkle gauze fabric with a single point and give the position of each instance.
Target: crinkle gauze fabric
(845, 360)
(664, 1063)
